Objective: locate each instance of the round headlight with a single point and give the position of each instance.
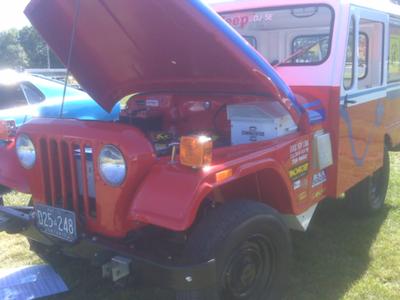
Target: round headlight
(25, 151)
(112, 165)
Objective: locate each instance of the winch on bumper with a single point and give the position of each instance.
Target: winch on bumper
(117, 260)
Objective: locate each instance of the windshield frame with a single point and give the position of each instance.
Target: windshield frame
(282, 7)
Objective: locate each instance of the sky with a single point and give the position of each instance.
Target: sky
(12, 14)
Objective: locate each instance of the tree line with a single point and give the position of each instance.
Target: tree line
(24, 48)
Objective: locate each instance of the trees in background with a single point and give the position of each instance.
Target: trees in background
(25, 48)
(12, 54)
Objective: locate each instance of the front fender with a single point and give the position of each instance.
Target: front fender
(171, 195)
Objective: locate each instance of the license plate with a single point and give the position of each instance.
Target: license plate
(56, 222)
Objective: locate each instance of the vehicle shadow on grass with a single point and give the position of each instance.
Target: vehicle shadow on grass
(328, 258)
(333, 253)
(85, 282)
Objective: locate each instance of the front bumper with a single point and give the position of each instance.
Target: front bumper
(100, 251)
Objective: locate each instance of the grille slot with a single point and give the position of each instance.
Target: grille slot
(68, 176)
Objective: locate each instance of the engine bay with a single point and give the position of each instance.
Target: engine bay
(226, 119)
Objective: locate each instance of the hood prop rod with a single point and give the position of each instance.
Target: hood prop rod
(71, 47)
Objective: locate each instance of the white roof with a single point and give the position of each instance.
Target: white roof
(380, 5)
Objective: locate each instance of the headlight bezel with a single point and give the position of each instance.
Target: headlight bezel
(106, 179)
(23, 162)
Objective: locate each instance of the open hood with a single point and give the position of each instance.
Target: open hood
(123, 47)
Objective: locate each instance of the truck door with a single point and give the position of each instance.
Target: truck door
(361, 134)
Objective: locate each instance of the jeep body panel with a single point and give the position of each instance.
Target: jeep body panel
(55, 176)
(175, 206)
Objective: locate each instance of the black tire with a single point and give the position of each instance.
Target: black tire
(368, 196)
(252, 248)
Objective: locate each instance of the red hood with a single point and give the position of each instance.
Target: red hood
(127, 46)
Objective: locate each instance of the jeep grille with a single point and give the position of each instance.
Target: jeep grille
(68, 175)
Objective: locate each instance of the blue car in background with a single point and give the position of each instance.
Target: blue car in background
(23, 96)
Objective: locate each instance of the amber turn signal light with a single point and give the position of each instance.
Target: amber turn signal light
(196, 151)
(223, 175)
(7, 130)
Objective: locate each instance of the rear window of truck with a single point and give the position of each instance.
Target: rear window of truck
(296, 35)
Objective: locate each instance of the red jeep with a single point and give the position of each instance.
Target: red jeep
(214, 157)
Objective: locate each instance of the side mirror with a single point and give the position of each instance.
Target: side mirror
(8, 130)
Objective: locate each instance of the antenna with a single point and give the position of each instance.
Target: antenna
(71, 47)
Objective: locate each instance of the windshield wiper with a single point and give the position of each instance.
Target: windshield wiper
(300, 52)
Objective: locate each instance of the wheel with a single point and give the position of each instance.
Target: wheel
(368, 196)
(252, 248)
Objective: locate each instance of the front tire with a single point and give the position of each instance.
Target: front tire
(252, 248)
(368, 196)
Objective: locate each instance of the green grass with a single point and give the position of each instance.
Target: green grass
(343, 257)
(340, 257)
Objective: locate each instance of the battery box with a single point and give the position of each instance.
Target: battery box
(259, 121)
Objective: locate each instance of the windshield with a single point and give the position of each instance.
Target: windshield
(298, 35)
